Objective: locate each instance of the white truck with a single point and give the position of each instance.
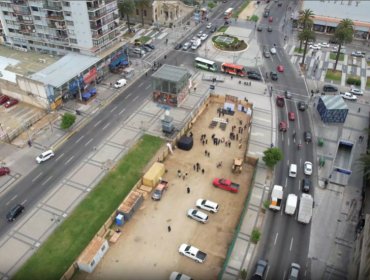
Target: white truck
(305, 209)
(291, 204)
(196, 44)
(276, 198)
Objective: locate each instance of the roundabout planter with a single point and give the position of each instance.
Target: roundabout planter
(225, 42)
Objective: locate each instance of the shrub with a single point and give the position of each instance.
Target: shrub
(254, 18)
(354, 81)
(211, 5)
(256, 235)
(243, 274)
(68, 120)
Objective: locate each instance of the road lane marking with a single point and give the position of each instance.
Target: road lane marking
(79, 139)
(140, 84)
(14, 197)
(88, 142)
(286, 181)
(59, 157)
(47, 180)
(276, 236)
(69, 160)
(284, 274)
(104, 127)
(136, 97)
(24, 202)
(97, 123)
(291, 244)
(120, 112)
(127, 96)
(287, 162)
(149, 86)
(288, 141)
(114, 108)
(34, 179)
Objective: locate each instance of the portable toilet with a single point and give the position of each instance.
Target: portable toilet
(120, 219)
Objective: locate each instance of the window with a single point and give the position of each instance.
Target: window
(35, 9)
(73, 41)
(37, 18)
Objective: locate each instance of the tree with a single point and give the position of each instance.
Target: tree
(255, 236)
(343, 34)
(306, 35)
(305, 19)
(211, 5)
(126, 7)
(272, 156)
(142, 5)
(68, 120)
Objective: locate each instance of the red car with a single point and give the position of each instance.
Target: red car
(282, 126)
(291, 116)
(10, 103)
(226, 185)
(3, 99)
(4, 171)
(280, 102)
(270, 19)
(280, 68)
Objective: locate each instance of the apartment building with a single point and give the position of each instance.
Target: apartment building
(60, 26)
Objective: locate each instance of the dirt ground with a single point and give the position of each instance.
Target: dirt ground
(146, 250)
(248, 11)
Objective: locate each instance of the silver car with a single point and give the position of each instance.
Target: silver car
(198, 215)
(186, 46)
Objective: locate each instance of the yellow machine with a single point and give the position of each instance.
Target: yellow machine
(237, 165)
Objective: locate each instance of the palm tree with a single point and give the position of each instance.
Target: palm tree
(126, 7)
(343, 34)
(305, 19)
(142, 5)
(305, 35)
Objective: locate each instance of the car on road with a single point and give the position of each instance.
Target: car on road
(358, 54)
(271, 19)
(178, 46)
(120, 83)
(307, 168)
(197, 215)
(342, 49)
(302, 106)
(266, 14)
(214, 29)
(4, 171)
(273, 76)
(266, 54)
(291, 116)
(139, 51)
(209, 25)
(306, 185)
(3, 98)
(288, 94)
(280, 101)
(280, 68)
(14, 212)
(45, 156)
(273, 50)
(207, 205)
(283, 126)
(253, 75)
(179, 276)
(260, 270)
(356, 91)
(193, 40)
(307, 136)
(348, 96)
(269, 29)
(146, 49)
(315, 47)
(192, 252)
(259, 28)
(150, 46)
(329, 88)
(324, 45)
(200, 33)
(11, 102)
(204, 37)
(186, 46)
(294, 271)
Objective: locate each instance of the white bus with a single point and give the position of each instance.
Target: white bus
(228, 13)
(206, 64)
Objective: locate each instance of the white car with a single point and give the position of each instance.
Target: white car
(342, 49)
(204, 37)
(179, 276)
(209, 25)
(325, 45)
(356, 91)
(348, 96)
(45, 156)
(273, 50)
(192, 252)
(308, 168)
(207, 205)
(120, 83)
(315, 47)
(186, 46)
(200, 33)
(197, 215)
(194, 39)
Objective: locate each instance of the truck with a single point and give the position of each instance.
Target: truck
(276, 198)
(159, 190)
(305, 209)
(226, 185)
(291, 204)
(196, 43)
(192, 253)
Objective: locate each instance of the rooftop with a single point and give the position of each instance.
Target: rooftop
(355, 10)
(171, 73)
(334, 102)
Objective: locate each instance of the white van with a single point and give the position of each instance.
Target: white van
(293, 170)
(196, 44)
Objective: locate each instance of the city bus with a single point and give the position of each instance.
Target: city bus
(205, 64)
(233, 69)
(228, 13)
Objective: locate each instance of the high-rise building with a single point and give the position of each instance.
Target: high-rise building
(60, 26)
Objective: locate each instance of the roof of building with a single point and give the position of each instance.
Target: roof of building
(354, 10)
(171, 73)
(69, 66)
(91, 250)
(334, 102)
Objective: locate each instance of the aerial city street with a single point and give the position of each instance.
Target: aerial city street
(184, 139)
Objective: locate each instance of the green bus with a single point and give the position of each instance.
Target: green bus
(205, 64)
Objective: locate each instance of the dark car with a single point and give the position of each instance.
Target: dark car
(302, 106)
(269, 29)
(4, 171)
(266, 14)
(307, 136)
(10, 103)
(260, 270)
(306, 185)
(14, 212)
(150, 46)
(259, 28)
(294, 271)
(273, 76)
(147, 49)
(178, 47)
(288, 94)
(3, 99)
(329, 88)
(213, 29)
(253, 75)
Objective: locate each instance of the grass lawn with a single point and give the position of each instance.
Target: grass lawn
(298, 50)
(242, 7)
(222, 29)
(334, 76)
(334, 55)
(67, 242)
(144, 39)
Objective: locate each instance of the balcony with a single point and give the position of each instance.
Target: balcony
(24, 11)
(52, 7)
(57, 25)
(100, 33)
(55, 16)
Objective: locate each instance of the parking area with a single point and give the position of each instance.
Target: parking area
(147, 249)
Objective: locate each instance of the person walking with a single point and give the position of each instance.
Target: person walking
(169, 229)
(188, 190)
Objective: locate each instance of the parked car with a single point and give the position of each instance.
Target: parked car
(294, 271)
(273, 76)
(186, 46)
(307, 168)
(14, 212)
(324, 45)
(302, 106)
(260, 270)
(259, 28)
(306, 185)
(11, 102)
(356, 91)
(342, 49)
(283, 126)
(204, 37)
(269, 29)
(329, 88)
(120, 83)
(291, 116)
(307, 136)
(200, 33)
(3, 98)
(179, 276)
(226, 185)
(192, 253)
(45, 156)
(178, 46)
(150, 46)
(207, 205)
(280, 68)
(273, 50)
(4, 171)
(315, 47)
(358, 54)
(348, 96)
(197, 215)
(209, 25)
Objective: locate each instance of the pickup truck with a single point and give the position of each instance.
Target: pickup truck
(225, 184)
(276, 198)
(159, 190)
(192, 253)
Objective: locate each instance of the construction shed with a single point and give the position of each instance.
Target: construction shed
(92, 254)
(332, 109)
(153, 175)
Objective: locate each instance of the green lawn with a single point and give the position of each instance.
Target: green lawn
(334, 76)
(67, 242)
(222, 29)
(298, 50)
(334, 55)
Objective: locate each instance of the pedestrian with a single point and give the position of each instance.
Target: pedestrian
(146, 74)
(205, 152)
(186, 175)
(179, 173)
(237, 136)
(195, 89)
(194, 167)
(209, 154)
(188, 190)
(183, 177)
(169, 229)
(359, 109)
(206, 141)
(202, 170)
